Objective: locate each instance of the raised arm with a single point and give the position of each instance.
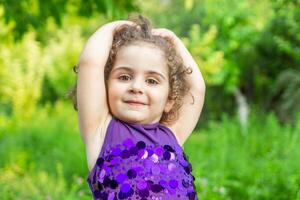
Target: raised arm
(190, 112)
(91, 93)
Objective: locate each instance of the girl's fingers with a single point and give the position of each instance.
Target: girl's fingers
(165, 33)
(159, 32)
(115, 24)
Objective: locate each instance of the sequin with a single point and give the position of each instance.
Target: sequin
(156, 188)
(125, 188)
(113, 184)
(159, 151)
(104, 195)
(149, 182)
(185, 183)
(142, 185)
(107, 168)
(163, 169)
(111, 196)
(148, 163)
(171, 191)
(137, 168)
(121, 178)
(163, 183)
(116, 151)
(172, 156)
(128, 142)
(142, 154)
(150, 152)
(154, 158)
(155, 169)
(187, 170)
(133, 150)
(106, 181)
(140, 145)
(125, 154)
(115, 161)
(100, 162)
(97, 193)
(101, 175)
(99, 186)
(167, 155)
(124, 195)
(173, 183)
(171, 166)
(168, 148)
(143, 193)
(108, 158)
(131, 174)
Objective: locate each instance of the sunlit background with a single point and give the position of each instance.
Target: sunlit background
(246, 142)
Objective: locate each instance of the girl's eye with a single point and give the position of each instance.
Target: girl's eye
(124, 77)
(152, 82)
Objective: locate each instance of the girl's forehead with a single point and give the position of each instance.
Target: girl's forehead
(142, 57)
(142, 46)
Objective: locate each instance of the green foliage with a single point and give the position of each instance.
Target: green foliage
(234, 26)
(61, 54)
(264, 163)
(287, 88)
(33, 74)
(278, 58)
(254, 42)
(209, 61)
(44, 159)
(21, 75)
(28, 14)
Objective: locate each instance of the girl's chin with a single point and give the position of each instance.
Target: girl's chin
(130, 117)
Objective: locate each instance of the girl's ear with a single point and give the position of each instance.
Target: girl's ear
(169, 105)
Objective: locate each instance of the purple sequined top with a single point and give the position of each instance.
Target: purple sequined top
(141, 162)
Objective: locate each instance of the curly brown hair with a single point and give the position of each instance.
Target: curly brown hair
(126, 35)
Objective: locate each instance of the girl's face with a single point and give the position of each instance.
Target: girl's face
(138, 85)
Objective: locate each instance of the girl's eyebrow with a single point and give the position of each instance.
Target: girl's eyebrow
(131, 70)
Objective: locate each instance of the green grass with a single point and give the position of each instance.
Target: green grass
(45, 158)
(262, 162)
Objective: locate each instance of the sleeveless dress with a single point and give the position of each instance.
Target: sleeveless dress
(141, 161)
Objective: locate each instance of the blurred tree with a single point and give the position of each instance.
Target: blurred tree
(231, 28)
(277, 61)
(21, 77)
(27, 14)
(41, 41)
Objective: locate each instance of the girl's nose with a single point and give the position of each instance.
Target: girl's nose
(136, 86)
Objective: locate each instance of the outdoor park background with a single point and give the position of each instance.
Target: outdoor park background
(246, 145)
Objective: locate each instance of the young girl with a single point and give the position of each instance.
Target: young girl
(137, 104)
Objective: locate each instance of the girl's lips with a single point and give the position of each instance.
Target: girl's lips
(134, 103)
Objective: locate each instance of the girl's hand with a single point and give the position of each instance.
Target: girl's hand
(115, 24)
(166, 33)
(196, 80)
(96, 49)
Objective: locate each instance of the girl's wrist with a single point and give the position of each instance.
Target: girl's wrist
(97, 47)
(112, 26)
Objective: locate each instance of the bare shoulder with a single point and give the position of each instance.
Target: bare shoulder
(94, 144)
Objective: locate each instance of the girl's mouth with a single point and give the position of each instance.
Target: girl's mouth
(134, 103)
